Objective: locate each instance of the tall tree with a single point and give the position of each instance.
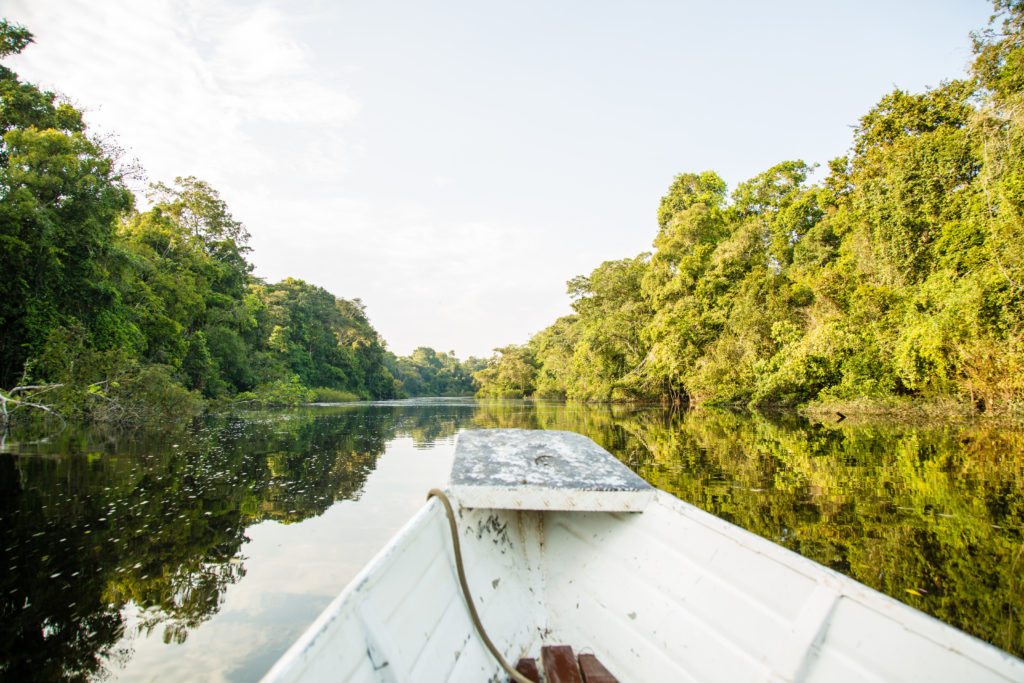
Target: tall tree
(60, 196)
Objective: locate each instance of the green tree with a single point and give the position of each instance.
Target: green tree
(427, 372)
(60, 195)
(611, 313)
(510, 373)
(898, 279)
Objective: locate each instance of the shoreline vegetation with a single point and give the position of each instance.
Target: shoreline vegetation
(894, 285)
(113, 314)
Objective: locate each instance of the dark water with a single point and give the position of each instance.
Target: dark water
(202, 551)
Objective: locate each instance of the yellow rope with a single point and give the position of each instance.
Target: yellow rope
(513, 674)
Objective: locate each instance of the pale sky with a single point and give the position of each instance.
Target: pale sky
(452, 164)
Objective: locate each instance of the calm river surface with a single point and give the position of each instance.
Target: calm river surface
(201, 552)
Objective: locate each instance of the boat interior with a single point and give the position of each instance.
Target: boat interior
(671, 593)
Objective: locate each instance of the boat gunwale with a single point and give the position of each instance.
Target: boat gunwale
(929, 627)
(293, 656)
(908, 617)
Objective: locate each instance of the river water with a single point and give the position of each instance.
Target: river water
(202, 551)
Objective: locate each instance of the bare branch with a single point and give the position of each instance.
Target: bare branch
(7, 399)
(40, 388)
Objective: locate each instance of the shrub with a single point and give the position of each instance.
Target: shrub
(329, 395)
(289, 392)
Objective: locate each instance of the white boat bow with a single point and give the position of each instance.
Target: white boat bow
(563, 544)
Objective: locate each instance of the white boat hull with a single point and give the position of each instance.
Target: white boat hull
(672, 594)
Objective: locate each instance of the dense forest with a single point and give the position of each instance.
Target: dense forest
(897, 279)
(427, 372)
(111, 313)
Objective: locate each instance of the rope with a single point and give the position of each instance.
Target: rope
(513, 674)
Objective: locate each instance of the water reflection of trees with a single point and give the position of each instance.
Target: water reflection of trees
(932, 515)
(98, 521)
(929, 514)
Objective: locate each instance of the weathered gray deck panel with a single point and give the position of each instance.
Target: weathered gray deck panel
(526, 469)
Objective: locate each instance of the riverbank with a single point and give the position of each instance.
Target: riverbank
(910, 409)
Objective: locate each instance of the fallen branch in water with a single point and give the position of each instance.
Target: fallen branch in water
(7, 398)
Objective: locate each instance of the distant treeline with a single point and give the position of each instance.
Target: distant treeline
(897, 278)
(431, 373)
(111, 313)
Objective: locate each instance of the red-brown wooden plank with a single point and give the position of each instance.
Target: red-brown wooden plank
(594, 671)
(528, 667)
(560, 664)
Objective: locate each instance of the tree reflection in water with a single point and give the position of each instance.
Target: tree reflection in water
(931, 514)
(99, 521)
(94, 525)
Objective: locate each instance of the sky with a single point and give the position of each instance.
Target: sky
(453, 164)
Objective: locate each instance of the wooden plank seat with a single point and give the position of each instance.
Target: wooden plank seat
(528, 667)
(594, 672)
(560, 665)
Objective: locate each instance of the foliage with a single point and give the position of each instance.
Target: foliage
(325, 341)
(328, 395)
(122, 315)
(510, 374)
(283, 392)
(426, 372)
(554, 348)
(60, 194)
(900, 276)
(610, 314)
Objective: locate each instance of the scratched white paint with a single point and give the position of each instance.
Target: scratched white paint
(522, 469)
(672, 594)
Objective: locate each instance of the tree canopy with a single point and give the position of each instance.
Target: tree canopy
(898, 277)
(123, 314)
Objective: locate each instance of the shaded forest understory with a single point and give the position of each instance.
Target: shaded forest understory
(897, 280)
